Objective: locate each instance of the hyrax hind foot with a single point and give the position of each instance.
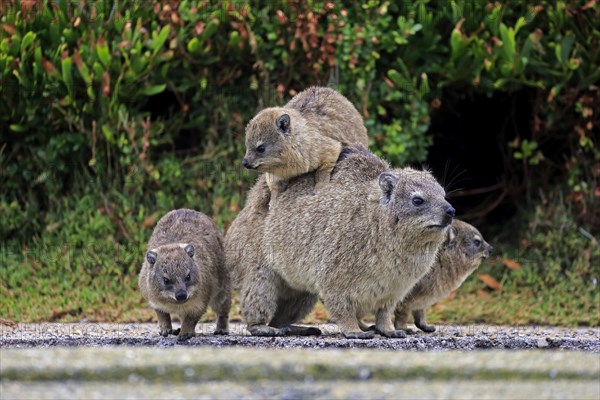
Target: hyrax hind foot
(359, 335)
(303, 330)
(264, 330)
(393, 334)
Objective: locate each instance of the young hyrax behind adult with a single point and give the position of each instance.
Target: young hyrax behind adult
(184, 272)
(266, 299)
(360, 245)
(459, 256)
(305, 135)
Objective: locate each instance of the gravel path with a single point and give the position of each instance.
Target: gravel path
(445, 338)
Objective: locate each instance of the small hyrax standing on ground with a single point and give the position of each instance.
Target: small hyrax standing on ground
(355, 244)
(184, 272)
(265, 297)
(458, 257)
(305, 135)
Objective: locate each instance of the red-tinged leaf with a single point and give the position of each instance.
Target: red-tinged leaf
(48, 67)
(199, 28)
(149, 221)
(483, 294)
(490, 281)
(105, 84)
(9, 28)
(512, 264)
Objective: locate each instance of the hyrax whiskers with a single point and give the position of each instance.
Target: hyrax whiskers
(183, 272)
(305, 135)
(459, 256)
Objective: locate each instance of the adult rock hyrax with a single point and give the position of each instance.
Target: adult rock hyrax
(265, 297)
(183, 272)
(360, 245)
(459, 256)
(305, 135)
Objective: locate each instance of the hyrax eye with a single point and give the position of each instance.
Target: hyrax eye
(260, 149)
(167, 281)
(477, 242)
(417, 201)
(188, 277)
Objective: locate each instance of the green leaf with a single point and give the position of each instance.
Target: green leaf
(27, 40)
(193, 46)
(107, 132)
(67, 76)
(395, 77)
(212, 27)
(565, 47)
(152, 90)
(508, 43)
(103, 52)
(158, 40)
(17, 128)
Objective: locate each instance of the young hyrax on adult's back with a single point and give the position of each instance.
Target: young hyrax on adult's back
(183, 272)
(360, 245)
(459, 256)
(305, 135)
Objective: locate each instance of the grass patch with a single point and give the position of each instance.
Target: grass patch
(86, 263)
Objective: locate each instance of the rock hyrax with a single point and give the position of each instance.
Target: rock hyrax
(265, 297)
(305, 135)
(356, 243)
(183, 272)
(459, 256)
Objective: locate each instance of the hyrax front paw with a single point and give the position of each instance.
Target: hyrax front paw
(221, 331)
(169, 331)
(182, 337)
(359, 335)
(427, 328)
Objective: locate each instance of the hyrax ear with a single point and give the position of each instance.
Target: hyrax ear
(452, 232)
(387, 183)
(151, 256)
(283, 124)
(189, 249)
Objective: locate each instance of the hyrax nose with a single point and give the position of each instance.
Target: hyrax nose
(181, 295)
(489, 250)
(450, 211)
(246, 163)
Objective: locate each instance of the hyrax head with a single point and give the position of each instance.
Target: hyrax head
(415, 200)
(173, 272)
(469, 241)
(266, 137)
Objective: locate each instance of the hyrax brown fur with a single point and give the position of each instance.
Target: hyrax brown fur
(265, 297)
(459, 256)
(305, 135)
(183, 272)
(243, 261)
(354, 245)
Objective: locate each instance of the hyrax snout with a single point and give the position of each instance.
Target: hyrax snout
(183, 272)
(305, 135)
(460, 255)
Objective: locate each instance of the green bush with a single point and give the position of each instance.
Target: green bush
(112, 113)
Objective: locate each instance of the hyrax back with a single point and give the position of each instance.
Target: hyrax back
(459, 256)
(359, 241)
(183, 272)
(305, 135)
